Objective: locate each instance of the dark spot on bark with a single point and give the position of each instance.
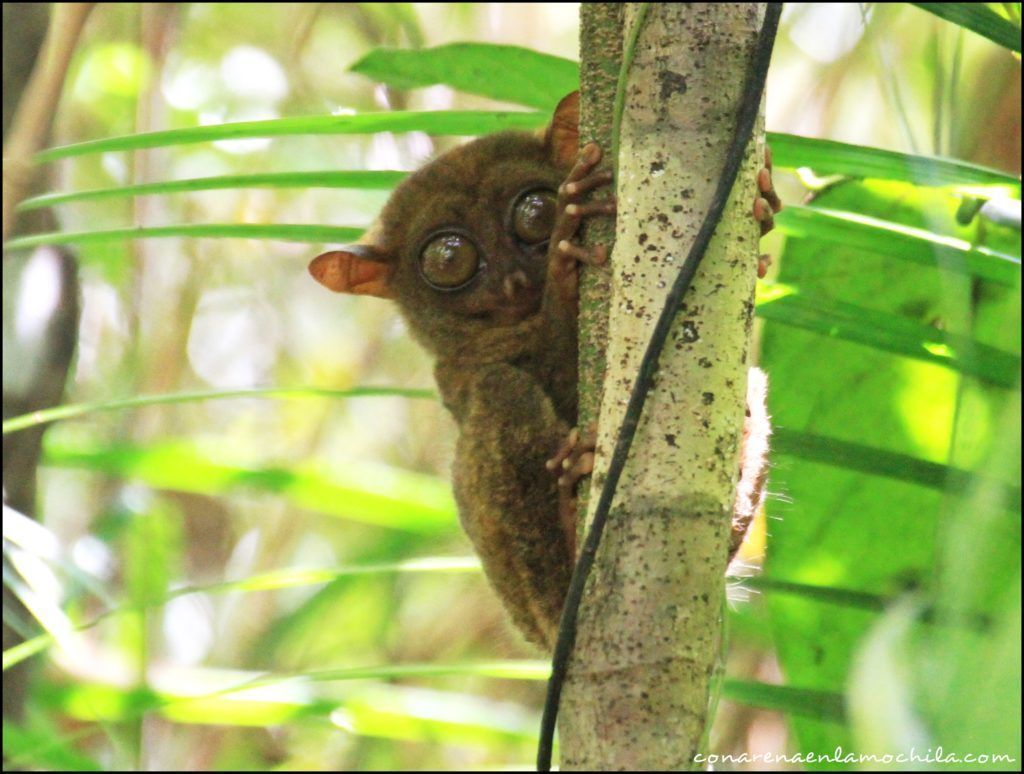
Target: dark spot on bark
(671, 83)
(704, 363)
(677, 208)
(642, 238)
(670, 439)
(707, 398)
(656, 167)
(690, 333)
(686, 193)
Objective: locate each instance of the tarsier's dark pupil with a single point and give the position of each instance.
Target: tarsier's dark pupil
(449, 260)
(534, 216)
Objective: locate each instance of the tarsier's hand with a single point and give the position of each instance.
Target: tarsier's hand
(766, 204)
(573, 460)
(564, 255)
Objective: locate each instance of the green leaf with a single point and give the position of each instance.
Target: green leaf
(74, 410)
(901, 242)
(501, 72)
(820, 705)
(28, 748)
(271, 695)
(887, 332)
(290, 577)
(284, 232)
(826, 594)
(440, 122)
(880, 462)
(861, 161)
(358, 179)
(979, 18)
(370, 494)
(833, 401)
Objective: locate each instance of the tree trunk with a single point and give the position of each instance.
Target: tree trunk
(649, 625)
(40, 285)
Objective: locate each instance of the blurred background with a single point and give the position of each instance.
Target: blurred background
(185, 496)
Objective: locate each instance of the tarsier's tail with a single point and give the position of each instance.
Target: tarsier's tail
(753, 459)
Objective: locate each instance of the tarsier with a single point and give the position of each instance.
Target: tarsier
(476, 248)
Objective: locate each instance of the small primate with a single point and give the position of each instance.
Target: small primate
(477, 250)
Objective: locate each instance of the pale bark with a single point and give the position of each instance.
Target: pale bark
(649, 625)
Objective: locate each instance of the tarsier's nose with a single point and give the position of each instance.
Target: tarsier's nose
(515, 284)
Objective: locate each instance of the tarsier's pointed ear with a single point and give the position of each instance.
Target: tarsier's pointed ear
(350, 271)
(361, 269)
(562, 136)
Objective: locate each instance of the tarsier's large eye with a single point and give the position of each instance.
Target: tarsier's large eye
(533, 216)
(449, 261)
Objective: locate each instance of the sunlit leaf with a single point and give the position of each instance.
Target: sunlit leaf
(73, 410)
(371, 494)
(862, 161)
(355, 179)
(980, 19)
(900, 242)
(269, 581)
(283, 232)
(887, 332)
(501, 72)
(444, 122)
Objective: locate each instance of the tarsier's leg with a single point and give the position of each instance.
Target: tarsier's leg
(507, 502)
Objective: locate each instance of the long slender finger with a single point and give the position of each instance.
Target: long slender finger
(592, 256)
(588, 183)
(555, 463)
(767, 189)
(763, 215)
(599, 207)
(590, 154)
